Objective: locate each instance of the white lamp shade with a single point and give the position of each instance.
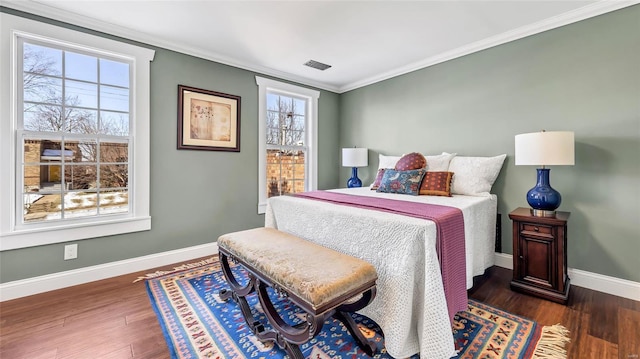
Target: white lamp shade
(355, 157)
(545, 148)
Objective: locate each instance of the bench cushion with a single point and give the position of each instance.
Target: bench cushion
(314, 273)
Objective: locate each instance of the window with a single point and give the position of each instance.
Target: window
(288, 139)
(76, 138)
(74, 134)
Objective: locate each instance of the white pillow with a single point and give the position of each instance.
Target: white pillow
(439, 162)
(474, 176)
(387, 161)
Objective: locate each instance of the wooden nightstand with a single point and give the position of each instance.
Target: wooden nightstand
(540, 255)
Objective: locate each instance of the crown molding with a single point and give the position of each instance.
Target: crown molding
(585, 12)
(40, 9)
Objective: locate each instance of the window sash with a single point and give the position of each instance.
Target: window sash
(22, 192)
(289, 98)
(287, 175)
(266, 87)
(100, 83)
(11, 29)
(62, 135)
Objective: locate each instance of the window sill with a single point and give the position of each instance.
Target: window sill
(39, 237)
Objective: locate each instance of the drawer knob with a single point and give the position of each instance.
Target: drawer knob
(536, 229)
(521, 257)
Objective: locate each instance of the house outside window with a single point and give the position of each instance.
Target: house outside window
(75, 131)
(77, 141)
(288, 139)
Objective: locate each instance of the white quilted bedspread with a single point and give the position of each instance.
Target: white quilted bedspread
(410, 306)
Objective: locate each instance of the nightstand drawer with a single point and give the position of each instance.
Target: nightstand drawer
(537, 230)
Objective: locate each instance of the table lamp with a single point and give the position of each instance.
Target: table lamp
(544, 148)
(355, 157)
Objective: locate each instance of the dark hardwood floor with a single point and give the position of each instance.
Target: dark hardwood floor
(112, 318)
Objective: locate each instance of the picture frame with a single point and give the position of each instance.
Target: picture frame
(208, 120)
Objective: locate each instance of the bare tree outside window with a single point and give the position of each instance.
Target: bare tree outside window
(286, 145)
(285, 126)
(90, 137)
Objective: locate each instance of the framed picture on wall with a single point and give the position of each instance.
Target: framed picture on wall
(208, 120)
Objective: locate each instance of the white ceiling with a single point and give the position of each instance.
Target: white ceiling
(363, 41)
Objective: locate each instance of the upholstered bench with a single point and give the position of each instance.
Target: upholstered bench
(319, 280)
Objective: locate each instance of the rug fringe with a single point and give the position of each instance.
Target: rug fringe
(552, 342)
(182, 267)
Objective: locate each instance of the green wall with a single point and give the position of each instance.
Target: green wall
(583, 77)
(195, 195)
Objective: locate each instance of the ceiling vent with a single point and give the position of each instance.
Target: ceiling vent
(317, 65)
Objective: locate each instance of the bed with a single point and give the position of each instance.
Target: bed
(410, 306)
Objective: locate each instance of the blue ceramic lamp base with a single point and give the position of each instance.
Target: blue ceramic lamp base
(354, 181)
(542, 198)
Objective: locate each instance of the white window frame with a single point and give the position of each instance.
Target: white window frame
(13, 235)
(311, 133)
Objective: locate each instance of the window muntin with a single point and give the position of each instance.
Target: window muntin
(14, 29)
(80, 167)
(287, 161)
(286, 149)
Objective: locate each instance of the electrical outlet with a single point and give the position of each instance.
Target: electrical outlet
(70, 251)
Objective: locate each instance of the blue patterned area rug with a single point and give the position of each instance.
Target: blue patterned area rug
(197, 324)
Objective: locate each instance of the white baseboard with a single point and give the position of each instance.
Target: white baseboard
(45, 283)
(602, 283)
(504, 260)
(22, 288)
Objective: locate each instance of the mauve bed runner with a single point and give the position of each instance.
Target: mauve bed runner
(450, 245)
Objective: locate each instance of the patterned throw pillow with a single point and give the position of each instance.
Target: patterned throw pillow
(376, 183)
(436, 184)
(411, 161)
(403, 182)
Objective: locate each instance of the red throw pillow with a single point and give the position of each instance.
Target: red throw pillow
(436, 184)
(411, 161)
(379, 176)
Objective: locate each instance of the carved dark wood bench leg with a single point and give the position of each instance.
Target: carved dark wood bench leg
(364, 344)
(329, 297)
(293, 351)
(238, 294)
(283, 331)
(287, 336)
(342, 314)
(231, 279)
